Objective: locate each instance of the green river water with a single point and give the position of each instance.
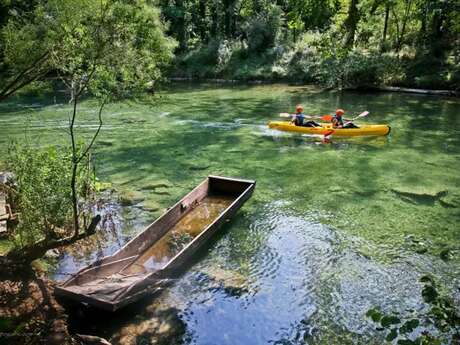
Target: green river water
(331, 230)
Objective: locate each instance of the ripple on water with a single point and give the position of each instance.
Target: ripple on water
(304, 280)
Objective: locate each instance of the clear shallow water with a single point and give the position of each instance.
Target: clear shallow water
(328, 233)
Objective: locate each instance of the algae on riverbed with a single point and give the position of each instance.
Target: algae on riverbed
(331, 227)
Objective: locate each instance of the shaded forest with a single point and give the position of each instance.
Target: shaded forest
(335, 43)
(338, 43)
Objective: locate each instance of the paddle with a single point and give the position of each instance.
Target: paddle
(327, 117)
(363, 114)
(324, 117)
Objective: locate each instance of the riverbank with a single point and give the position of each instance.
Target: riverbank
(30, 313)
(452, 93)
(309, 61)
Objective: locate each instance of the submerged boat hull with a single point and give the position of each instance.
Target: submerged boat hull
(124, 277)
(326, 129)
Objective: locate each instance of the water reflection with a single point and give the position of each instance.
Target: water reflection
(298, 282)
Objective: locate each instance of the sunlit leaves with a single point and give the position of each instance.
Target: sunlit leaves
(43, 196)
(107, 47)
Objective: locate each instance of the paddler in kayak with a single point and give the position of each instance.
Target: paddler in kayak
(337, 120)
(299, 118)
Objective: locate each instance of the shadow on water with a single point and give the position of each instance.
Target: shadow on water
(140, 323)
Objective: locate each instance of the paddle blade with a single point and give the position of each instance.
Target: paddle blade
(285, 115)
(363, 114)
(326, 118)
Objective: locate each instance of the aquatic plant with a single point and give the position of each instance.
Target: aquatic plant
(442, 315)
(179, 240)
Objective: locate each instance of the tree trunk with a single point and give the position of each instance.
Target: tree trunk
(436, 25)
(385, 28)
(228, 11)
(25, 255)
(350, 24)
(73, 181)
(422, 32)
(202, 20)
(215, 19)
(181, 26)
(404, 23)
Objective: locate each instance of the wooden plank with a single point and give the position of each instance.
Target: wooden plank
(185, 254)
(99, 271)
(3, 213)
(160, 226)
(3, 228)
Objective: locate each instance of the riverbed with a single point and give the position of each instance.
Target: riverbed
(331, 230)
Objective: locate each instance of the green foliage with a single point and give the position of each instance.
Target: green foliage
(262, 30)
(5, 246)
(112, 48)
(42, 195)
(38, 88)
(443, 315)
(311, 14)
(401, 43)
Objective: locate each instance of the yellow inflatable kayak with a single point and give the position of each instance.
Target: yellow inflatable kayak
(326, 129)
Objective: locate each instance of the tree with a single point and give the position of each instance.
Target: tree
(107, 48)
(350, 24)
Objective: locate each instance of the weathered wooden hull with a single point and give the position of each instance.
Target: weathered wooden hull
(109, 283)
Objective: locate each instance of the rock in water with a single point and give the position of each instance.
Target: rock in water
(231, 281)
(419, 195)
(129, 197)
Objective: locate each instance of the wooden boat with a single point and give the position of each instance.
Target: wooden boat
(148, 262)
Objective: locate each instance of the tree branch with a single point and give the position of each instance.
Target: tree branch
(95, 134)
(73, 181)
(12, 87)
(26, 255)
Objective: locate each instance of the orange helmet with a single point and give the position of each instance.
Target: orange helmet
(298, 107)
(339, 112)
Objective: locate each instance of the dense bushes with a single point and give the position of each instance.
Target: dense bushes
(316, 58)
(291, 45)
(262, 31)
(42, 195)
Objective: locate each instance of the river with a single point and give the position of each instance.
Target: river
(331, 230)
